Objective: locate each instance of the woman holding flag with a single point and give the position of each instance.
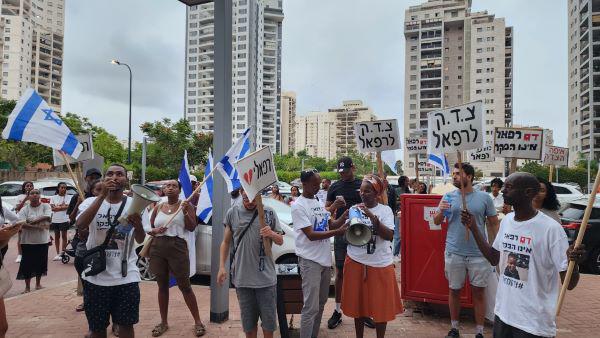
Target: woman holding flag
(169, 254)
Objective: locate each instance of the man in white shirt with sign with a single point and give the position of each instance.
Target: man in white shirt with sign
(312, 224)
(533, 252)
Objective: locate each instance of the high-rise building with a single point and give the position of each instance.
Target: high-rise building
(584, 80)
(256, 73)
(288, 122)
(330, 134)
(32, 49)
(454, 56)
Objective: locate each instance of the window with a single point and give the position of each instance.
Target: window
(460, 77)
(478, 60)
(460, 57)
(478, 81)
(191, 93)
(413, 77)
(413, 58)
(479, 50)
(413, 106)
(240, 109)
(479, 29)
(242, 29)
(413, 48)
(192, 101)
(479, 39)
(478, 91)
(413, 96)
(478, 71)
(413, 67)
(413, 87)
(454, 14)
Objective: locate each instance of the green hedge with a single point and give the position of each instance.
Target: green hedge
(289, 176)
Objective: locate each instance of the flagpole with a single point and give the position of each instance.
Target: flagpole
(75, 180)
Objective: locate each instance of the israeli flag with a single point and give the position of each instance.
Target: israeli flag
(440, 161)
(204, 209)
(186, 189)
(225, 166)
(33, 120)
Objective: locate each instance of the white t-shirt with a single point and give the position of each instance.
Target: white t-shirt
(498, 201)
(322, 196)
(98, 228)
(307, 212)
(34, 235)
(532, 253)
(382, 256)
(60, 216)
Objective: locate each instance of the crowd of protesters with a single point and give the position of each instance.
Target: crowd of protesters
(366, 288)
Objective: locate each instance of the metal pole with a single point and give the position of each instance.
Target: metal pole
(219, 295)
(144, 140)
(130, 91)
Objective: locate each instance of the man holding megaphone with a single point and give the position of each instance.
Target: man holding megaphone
(111, 289)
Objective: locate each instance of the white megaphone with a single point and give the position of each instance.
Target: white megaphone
(358, 232)
(142, 197)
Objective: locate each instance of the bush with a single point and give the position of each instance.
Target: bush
(289, 176)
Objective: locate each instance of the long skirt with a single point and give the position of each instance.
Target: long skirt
(370, 292)
(34, 261)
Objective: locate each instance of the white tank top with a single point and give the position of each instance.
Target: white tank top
(175, 229)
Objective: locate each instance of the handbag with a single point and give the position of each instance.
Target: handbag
(235, 247)
(94, 260)
(145, 252)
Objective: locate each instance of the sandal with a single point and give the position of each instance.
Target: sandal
(199, 330)
(159, 329)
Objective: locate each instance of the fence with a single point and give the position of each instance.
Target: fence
(14, 175)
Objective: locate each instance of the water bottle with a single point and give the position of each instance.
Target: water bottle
(448, 212)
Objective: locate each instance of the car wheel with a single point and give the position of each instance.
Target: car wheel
(143, 264)
(593, 261)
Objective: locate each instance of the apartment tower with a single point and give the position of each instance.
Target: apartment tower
(288, 122)
(256, 73)
(32, 49)
(584, 79)
(454, 56)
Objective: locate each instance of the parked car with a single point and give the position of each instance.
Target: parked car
(10, 190)
(282, 254)
(571, 218)
(566, 192)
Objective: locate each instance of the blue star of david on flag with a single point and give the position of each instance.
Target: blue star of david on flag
(49, 117)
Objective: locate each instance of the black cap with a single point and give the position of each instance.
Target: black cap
(93, 171)
(344, 164)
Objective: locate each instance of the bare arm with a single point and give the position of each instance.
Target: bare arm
(493, 225)
(337, 223)
(138, 228)
(381, 230)
(320, 235)
(276, 237)
(189, 216)
(224, 254)
(86, 217)
(491, 254)
(576, 255)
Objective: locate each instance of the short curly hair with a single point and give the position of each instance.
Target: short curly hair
(498, 182)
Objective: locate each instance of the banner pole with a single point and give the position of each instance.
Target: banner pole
(550, 172)
(462, 189)
(261, 219)
(380, 173)
(73, 177)
(582, 229)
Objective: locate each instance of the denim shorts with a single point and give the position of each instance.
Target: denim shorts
(457, 267)
(255, 303)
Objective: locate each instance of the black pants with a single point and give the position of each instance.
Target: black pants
(503, 330)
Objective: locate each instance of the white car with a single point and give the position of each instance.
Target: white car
(282, 254)
(10, 190)
(566, 192)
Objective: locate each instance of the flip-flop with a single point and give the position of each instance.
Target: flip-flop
(159, 329)
(199, 330)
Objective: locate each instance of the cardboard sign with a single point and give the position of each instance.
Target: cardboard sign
(86, 154)
(455, 129)
(556, 156)
(485, 154)
(525, 143)
(425, 168)
(375, 136)
(257, 171)
(416, 145)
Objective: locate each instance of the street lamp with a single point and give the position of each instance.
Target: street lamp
(116, 62)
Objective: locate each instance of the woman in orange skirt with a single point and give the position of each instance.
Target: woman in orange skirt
(370, 288)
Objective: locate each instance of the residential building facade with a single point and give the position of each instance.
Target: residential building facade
(584, 79)
(32, 49)
(330, 134)
(454, 56)
(288, 122)
(256, 69)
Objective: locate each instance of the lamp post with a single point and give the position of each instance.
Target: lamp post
(116, 62)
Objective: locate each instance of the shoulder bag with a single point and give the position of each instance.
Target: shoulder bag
(94, 260)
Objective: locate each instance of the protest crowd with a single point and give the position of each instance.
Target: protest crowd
(527, 252)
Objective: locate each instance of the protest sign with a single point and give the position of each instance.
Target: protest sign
(377, 136)
(86, 154)
(425, 169)
(524, 143)
(416, 145)
(257, 171)
(556, 156)
(485, 154)
(455, 129)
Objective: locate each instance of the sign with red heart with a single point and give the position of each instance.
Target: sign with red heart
(258, 171)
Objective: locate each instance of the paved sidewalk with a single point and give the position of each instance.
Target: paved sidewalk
(50, 313)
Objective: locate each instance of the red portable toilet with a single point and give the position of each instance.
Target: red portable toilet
(423, 243)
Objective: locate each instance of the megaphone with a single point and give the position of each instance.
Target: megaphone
(142, 197)
(359, 233)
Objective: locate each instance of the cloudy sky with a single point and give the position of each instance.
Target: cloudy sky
(332, 51)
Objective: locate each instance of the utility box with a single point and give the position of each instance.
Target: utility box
(423, 244)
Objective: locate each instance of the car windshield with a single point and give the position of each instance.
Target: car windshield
(283, 211)
(575, 212)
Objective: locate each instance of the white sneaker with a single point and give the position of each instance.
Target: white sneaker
(18, 260)
(57, 258)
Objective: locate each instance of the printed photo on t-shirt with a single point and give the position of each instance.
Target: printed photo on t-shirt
(514, 268)
(321, 226)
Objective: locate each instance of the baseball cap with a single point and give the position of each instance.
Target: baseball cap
(93, 171)
(344, 164)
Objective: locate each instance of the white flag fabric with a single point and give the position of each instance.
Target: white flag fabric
(237, 151)
(204, 208)
(389, 157)
(33, 120)
(186, 188)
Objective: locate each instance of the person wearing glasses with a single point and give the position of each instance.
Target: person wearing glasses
(253, 272)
